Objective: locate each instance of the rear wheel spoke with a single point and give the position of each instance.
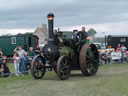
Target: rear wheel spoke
(88, 61)
(95, 61)
(94, 52)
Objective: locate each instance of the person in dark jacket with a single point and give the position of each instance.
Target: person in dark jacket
(1, 54)
(5, 68)
(37, 50)
(83, 33)
(79, 39)
(56, 37)
(104, 57)
(31, 52)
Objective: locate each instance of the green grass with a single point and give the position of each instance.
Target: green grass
(110, 80)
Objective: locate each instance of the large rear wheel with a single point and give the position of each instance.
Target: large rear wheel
(89, 59)
(63, 68)
(38, 67)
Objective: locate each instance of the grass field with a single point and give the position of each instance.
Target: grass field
(110, 80)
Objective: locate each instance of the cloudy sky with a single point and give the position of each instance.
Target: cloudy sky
(105, 16)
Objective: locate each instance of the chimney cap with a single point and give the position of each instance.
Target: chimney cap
(50, 16)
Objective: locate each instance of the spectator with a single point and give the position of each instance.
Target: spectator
(110, 57)
(118, 47)
(27, 61)
(4, 68)
(31, 52)
(37, 50)
(100, 62)
(1, 69)
(22, 54)
(1, 54)
(126, 52)
(123, 48)
(125, 56)
(104, 57)
(16, 63)
(119, 60)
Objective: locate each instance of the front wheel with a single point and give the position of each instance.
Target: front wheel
(63, 68)
(38, 67)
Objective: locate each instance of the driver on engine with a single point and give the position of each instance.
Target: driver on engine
(79, 38)
(83, 33)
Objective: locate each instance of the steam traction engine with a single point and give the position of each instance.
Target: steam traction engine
(68, 54)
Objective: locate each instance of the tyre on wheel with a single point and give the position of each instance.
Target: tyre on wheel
(89, 59)
(38, 67)
(63, 68)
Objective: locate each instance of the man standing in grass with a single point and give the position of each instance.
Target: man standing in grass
(22, 54)
(123, 49)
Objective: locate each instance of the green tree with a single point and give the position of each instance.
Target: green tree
(91, 32)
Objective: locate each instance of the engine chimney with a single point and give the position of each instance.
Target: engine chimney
(50, 27)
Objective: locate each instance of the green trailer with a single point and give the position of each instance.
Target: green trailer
(9, 43)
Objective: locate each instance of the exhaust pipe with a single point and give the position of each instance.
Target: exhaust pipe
(50, 17)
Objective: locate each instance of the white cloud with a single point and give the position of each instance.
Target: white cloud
(113, 28)
(14, 31)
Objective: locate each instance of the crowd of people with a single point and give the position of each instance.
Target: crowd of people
(22, 61)
(118, 55)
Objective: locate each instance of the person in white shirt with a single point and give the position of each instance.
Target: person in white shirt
(16, 59)
(123, 48)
